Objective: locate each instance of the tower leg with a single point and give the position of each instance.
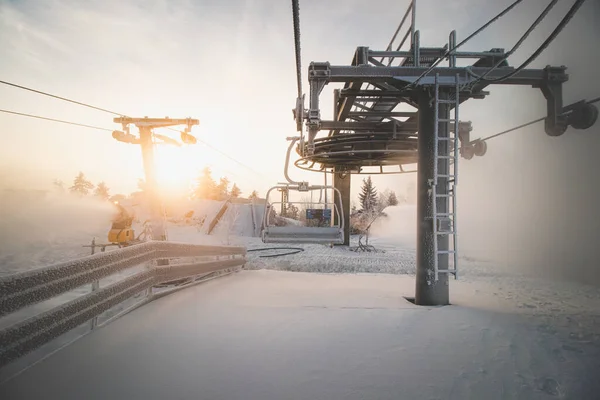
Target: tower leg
(428, 291)
(158, 229)
(342, 183)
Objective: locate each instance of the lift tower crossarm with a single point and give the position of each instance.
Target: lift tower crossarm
(156, 122)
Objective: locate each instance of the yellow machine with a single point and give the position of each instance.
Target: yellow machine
(121, 231)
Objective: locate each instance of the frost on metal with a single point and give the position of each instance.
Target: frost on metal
(20, 290)
(26, 288)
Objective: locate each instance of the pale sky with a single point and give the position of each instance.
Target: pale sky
(231, 65)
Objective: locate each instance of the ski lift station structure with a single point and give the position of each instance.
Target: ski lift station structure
(367, 131)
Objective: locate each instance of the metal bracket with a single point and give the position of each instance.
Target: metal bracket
(319, 71)
(555, 123)
(303, 187)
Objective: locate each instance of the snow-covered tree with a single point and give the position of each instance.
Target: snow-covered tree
(392, 200)
(235, 191)
(253, 195)
(205, 185)
(81, 186)
(223, 188)
(102, 191)
(368, 196)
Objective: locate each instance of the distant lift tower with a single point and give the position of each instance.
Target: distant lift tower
(368, 131)
(146, 140)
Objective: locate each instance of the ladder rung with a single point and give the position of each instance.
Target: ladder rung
(446, 251)
(446, 120)
(447, 101)
(446, 138)
(447, 271)
(445, 232)
(444, 214)
(447, 157)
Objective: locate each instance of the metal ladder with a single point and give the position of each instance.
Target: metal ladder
(444, 223)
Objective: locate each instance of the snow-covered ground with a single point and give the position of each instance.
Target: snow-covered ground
(283, 335)
(507, 334)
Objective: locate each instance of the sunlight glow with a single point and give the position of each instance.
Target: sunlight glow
(176, 168)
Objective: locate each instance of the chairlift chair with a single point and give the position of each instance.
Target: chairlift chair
(332, 234)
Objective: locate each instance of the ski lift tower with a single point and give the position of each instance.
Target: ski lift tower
(367, 130)
(146, 140)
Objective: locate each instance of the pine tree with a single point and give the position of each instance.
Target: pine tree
(205, 185)
(102, 191)
(81, 186)
(235, 191)
(253, 195)
(392, 200)
(223, 188)
(368, 196)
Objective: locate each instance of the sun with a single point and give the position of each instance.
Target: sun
(176, 168)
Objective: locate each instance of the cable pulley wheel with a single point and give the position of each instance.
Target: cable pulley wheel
(584, 116)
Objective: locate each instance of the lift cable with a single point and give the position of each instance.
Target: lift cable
(596, 100)
(224, 154)
(55, 120)
(435, 64)
(296, 18)
(61, 98)
(541, 17)
(563, 23)
(95, 108)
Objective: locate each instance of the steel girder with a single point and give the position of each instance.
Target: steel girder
(360, 111)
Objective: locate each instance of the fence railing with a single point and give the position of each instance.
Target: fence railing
(28, 288)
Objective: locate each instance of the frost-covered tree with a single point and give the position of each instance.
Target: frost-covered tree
(392, 200)
(81, 186)
(235, 191)
(223, 188)
(205, 185)
(102, 191)
(253, 195)
(368, 196)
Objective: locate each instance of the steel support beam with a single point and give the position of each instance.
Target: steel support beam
(341, 181)
(429, 291)
(366, 73)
